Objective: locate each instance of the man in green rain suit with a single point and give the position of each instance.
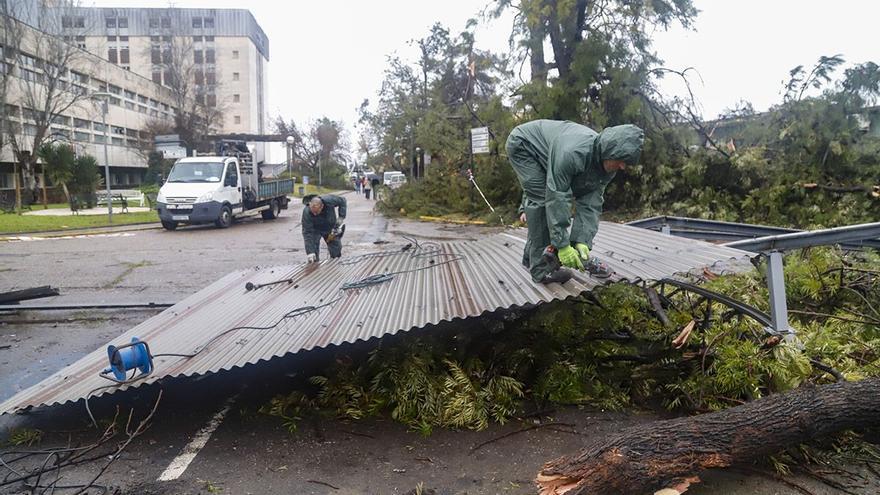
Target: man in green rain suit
(557, 163)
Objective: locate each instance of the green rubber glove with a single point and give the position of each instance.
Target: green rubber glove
(569, 257)
(583, 250)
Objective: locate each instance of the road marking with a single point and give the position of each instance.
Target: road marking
(25, 238)
(181, 462)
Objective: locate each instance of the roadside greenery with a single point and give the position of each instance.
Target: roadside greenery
(20, 224)
(610, 350)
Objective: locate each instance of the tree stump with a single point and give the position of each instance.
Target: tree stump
(672, 453)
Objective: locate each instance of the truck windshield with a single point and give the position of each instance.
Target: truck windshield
(196, 172)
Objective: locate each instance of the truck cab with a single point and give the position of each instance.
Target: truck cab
(201, 190)
(218, 189)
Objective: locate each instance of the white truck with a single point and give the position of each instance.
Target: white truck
(217, 189)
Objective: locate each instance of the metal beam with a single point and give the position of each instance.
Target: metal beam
(862, 234)
(714, 230)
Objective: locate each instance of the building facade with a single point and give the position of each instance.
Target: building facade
(77, 116)
(224, 51)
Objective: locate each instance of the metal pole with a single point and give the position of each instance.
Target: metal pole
(776, 286)
(107, 162)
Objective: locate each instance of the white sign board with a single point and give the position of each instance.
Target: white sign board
(172, 152)
(305, 179)
(480, 139)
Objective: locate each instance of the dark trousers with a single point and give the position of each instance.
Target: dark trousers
(532, 177)
(367, 193)
(334, 246)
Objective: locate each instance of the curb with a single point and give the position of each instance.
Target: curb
(77, 232)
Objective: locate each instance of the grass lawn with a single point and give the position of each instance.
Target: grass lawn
(10, 223)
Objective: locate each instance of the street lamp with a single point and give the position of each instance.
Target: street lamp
(104, 97)
(289, 155)
(418, 171)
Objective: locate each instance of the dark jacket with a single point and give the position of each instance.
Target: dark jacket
(316, 226)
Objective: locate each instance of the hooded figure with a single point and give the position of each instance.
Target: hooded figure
(559, 163)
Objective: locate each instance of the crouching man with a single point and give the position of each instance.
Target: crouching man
(321, 220)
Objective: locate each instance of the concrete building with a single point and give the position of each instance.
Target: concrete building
(224, 50)
(125, 52)
(134, 102)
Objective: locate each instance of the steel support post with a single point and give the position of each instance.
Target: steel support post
(778, 302)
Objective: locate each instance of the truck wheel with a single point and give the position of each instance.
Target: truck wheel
(273, 211)
(225, 218)
(169, 225)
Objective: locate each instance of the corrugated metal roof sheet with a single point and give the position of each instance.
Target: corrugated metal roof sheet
(459, 280)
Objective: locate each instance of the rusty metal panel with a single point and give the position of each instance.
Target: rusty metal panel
(457, 280)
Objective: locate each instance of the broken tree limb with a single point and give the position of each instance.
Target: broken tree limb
(665, 453)
(12, 297)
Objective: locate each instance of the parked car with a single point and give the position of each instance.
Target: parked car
(397, 181)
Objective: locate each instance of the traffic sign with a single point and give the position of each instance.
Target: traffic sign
(480, 139)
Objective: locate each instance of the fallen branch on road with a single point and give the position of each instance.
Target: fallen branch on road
(673, 452)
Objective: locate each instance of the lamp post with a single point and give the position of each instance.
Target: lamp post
(418, 167)
(104, 97)
(289, 155)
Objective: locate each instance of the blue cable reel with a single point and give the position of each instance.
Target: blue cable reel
(134, 355)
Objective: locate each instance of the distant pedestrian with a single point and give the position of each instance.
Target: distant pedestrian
(375, 183)
(367, 187)
(357, 184)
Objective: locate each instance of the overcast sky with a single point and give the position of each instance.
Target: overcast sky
(326, 56)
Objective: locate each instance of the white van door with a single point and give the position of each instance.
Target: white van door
(231, 190)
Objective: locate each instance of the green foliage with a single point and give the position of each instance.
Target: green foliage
(24, 437)
(85, 179)
(610, 351)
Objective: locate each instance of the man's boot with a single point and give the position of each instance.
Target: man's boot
(560, 276)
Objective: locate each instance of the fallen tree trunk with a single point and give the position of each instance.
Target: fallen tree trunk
(671, 453)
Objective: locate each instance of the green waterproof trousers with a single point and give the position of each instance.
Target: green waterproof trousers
(532, 177)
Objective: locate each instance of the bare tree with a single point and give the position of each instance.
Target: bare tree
(195, 90)
(40, 82)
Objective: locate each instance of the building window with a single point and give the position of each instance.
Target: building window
(116, 90)
(111, 39)
(197, 22)
(166, 22)
(111, 22)
(123, 22)
(211, 78)
(209, 22)
(81, 124)
(200, 77)
(197, 55)
(209, 55)
(82, 136)
(131, 95)
(234, 53)
(154, 22)
(157, 77)
(197, 39)
(209, 38)
(236, 98)
(123, 56)
(123, 38)
(238, 119)
(235, 76)
(212, 100)
(111, 56)
(67, 22)
(79, 22)
(155, 55)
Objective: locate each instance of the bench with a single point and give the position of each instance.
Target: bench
(123, 196)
